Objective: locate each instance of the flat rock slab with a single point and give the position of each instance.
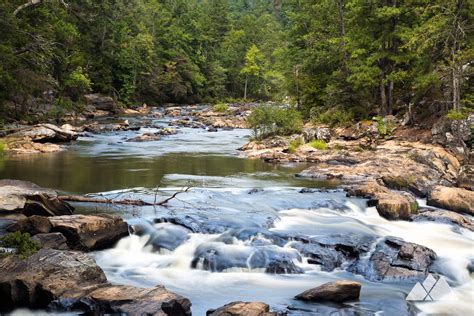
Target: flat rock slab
(72, 281)
(241, 309)
(338, 291)
(446, 217)
(453, 199)
(28, 198)
(45, 133)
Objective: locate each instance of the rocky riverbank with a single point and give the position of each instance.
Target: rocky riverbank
(391, 171)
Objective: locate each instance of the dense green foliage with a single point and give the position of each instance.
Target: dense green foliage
(268, 120)
(336, 59)
(24, 246)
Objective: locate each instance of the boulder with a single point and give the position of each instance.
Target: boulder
(319, 133)
(32, 225)
(28, 198)
(90, 232)
(72, 281)
(466, 177)
(101, 102)
(394, 259)
(453, 199)
(338, 291)
(46, 276)
(51, 241)
(391, 205)
(129, 300)
(446, 217)
(241, 309)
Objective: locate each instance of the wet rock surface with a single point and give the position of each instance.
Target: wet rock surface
(394, 259)
(241, 309)
(390, 204)
(338, 291)
(446, 217)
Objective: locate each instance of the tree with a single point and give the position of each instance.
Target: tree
(254, 66)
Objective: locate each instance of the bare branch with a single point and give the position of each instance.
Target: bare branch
(85, 199)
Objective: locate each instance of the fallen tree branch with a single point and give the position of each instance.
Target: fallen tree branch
(85, 199)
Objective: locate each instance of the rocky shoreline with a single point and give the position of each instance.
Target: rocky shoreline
(392, 172)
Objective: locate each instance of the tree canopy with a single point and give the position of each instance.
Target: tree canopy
(359, 56)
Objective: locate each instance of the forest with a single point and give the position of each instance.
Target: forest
(339, 60)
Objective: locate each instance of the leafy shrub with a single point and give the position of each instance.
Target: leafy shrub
(384, 128)
(77, 83)
(332, 117)
(319, 144)
(294, 144)
(220, 108)
(455, 115)
(24, 246)
(267, 120)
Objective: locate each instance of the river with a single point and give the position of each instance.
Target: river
(237, 210)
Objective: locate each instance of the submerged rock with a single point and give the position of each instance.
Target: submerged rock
(241, 309)
(453, 199)
(338, 291)
(219, 257)
(147, 137)
(394, 259)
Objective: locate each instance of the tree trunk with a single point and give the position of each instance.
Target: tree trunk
(245, 90)
(383, 98)
(456, 90)
(390, 98)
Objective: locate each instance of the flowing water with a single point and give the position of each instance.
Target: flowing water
(214, 242)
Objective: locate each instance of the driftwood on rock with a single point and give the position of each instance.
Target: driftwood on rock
(131, 202)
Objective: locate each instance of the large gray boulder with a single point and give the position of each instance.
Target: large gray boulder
(101, 102)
